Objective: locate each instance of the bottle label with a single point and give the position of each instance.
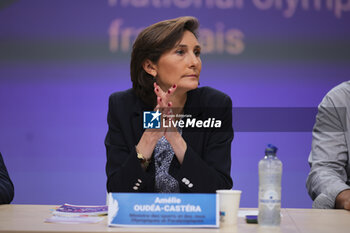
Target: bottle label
(270, 198)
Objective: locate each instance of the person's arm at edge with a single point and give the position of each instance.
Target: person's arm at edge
(6, 185)
(328, 158)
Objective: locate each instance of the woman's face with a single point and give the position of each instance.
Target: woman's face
(181, 65)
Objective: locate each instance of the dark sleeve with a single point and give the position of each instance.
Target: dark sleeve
(6, 186)
(124, 172)
(211, 170)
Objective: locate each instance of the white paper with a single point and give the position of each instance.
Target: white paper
(73, 220)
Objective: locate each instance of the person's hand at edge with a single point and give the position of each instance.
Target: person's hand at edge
(342, 201)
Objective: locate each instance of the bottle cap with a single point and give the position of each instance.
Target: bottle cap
(270, 150)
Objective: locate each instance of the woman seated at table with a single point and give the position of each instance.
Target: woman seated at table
(165, 68)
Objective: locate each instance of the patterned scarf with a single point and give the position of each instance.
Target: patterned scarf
(163, 155)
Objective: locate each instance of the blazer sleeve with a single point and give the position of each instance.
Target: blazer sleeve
(209, 171)
(329, 156)
(124, 171)
(6, 185)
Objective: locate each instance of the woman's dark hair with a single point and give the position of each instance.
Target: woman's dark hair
(150, 44)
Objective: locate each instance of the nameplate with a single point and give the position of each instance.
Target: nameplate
(163, 210)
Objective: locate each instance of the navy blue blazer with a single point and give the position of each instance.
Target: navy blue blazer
(207, 163)
(6, 186)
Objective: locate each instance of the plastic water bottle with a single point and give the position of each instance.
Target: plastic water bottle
(270, 174)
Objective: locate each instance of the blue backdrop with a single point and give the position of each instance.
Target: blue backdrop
(60, 60)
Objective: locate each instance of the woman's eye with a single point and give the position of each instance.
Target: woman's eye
(197, 53)
(180, 52)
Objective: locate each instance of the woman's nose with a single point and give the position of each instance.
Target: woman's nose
(194, 60)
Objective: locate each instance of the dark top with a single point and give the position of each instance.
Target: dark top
(207, 162)
(6, 186)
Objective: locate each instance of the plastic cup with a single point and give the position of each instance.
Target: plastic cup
(228, 205)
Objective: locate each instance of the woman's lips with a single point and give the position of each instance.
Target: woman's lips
(190, 76)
